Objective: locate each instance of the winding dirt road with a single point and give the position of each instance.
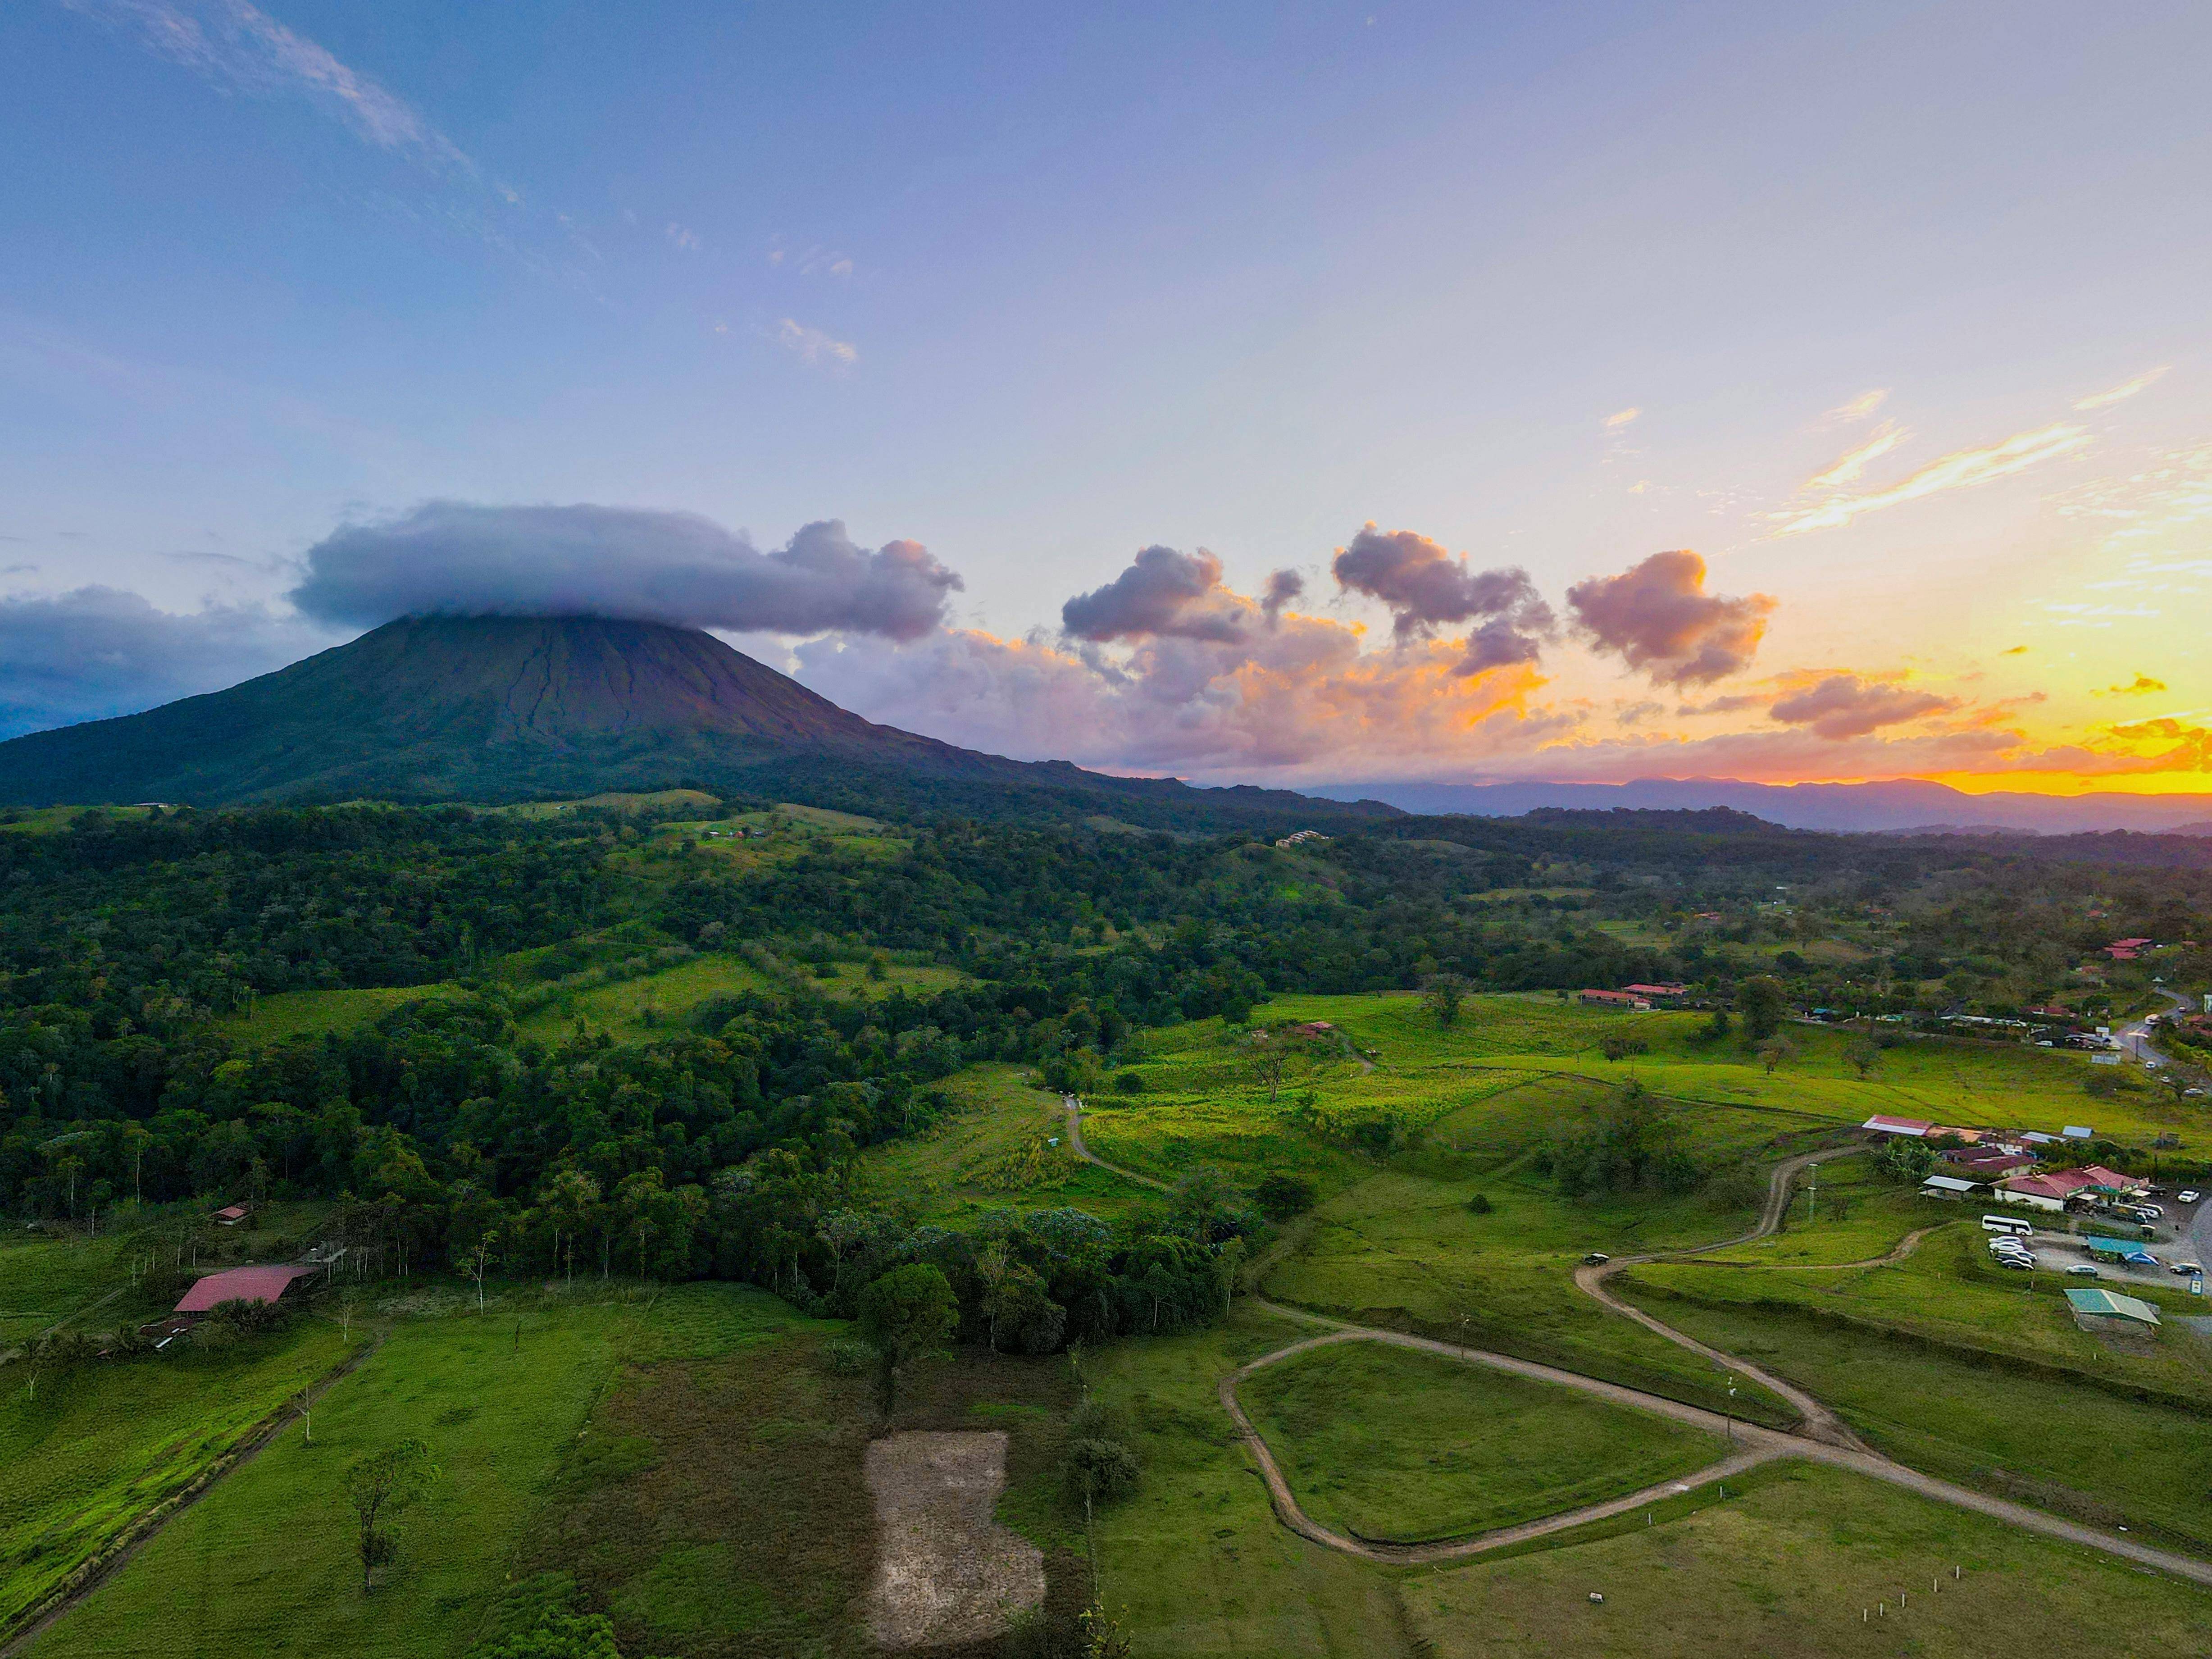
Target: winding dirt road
(1825, 1438)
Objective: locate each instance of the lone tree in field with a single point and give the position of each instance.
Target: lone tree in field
(377, 1487)
(1442, 994)
(1762, 1002)
(1864, 1056)
(908, 1315)
(1775, 1051)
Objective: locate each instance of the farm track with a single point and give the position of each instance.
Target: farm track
(151, 1525)
(1825, 1438)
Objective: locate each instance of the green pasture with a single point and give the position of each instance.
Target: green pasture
(1195, 1563)
(1947, 1291)
(993, 1151)
(1387, 1444)
(287, 1014)
(85, 1449)
(1784, 1569)
(2063, 1443)
(265, 1564)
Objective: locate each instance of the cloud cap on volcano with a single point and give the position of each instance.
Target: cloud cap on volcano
(454, 558)
(1657, 616)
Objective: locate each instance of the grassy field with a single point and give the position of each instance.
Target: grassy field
(265, 1564)
(716, 1505)
(1785, 1568)
(85, 1451)
(2094, 1454)
(313, 1014)
(994, 1152)
(1195, 1562)
(1389, 1445)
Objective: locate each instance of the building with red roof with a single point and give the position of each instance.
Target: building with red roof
(268, 1283)
(1613, 1000)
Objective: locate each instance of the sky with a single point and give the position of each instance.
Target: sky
(1305, 393)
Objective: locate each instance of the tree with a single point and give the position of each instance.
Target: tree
(1762, 1002)
(906, 1316)
(378, 1486)
(1775, 1051)
(1442, 995)
(479, 1262)
(1862, 1055)
(570, 1198)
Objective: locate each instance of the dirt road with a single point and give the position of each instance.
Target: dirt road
(1825, 1438)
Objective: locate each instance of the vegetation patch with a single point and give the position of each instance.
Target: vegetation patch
(1393, 1445)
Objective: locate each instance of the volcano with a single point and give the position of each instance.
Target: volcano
(496, 708)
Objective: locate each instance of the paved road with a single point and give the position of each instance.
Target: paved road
(1826, 1438)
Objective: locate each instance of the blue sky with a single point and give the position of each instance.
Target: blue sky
(1039, 288)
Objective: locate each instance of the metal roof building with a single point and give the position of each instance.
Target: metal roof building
(2120, 1249)
(242, 1285)
(2109, 1305)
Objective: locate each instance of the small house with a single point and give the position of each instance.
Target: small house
(232, 1215)
(263, 1284)
(1883, 1124)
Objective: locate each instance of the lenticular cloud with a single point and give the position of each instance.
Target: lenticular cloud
(450, 558)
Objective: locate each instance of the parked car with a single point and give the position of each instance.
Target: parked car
(2187, 1270)
(2081, 1270)
(2023, 1261)
(2146, 1212)
(1596, 1259)
(2188, 1195)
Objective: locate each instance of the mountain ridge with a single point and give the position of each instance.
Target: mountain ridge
(511, 707)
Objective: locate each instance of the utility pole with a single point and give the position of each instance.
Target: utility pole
(1813, 1199)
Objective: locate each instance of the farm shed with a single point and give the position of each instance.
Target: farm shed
(268, 1284)
(1946, 1187)
(1881, 1124)
(2107, 1312)
(231, 1215)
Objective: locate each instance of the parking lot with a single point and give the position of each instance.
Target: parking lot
(2055, 1252)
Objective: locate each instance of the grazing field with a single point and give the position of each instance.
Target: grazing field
(1409, 1447)
(1195, 1562)
(265, 1562)
(1785, 1568)
(716, 1505)
(994, 1152)
(2090, 1452)
(313, 1014)
(85, 1449)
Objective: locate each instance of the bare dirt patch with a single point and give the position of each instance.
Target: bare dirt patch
(946, 1572)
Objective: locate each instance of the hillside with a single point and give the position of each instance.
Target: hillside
(502, 708)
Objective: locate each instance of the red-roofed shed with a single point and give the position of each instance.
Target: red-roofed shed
(242, 1285)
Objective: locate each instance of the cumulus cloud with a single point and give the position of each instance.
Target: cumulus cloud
(455, 559)
(1427, 589)
(1840, 705)
(98, 651)
(1658, 618)
(2143, 686)
(1162, 593)
(1283, 587)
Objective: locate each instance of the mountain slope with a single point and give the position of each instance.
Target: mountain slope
(502, 708)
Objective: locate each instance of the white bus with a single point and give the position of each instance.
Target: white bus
(2005, 1224)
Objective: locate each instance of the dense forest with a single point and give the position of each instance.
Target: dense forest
(726, 1144)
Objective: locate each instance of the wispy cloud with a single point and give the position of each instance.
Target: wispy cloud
(811, 345)
(682, 238)
(238, 46)
(1852, 463)
(1860, 407)
(1620, 418)
(2120, 394)
(1959, 470)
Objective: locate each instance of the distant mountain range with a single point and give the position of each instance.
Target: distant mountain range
(1900, 806)
(510, 708)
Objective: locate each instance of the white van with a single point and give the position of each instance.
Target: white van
(2006, 1223)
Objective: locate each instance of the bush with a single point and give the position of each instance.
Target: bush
(1280, 1197)
(847, 1358)
(1480, 1205)
(1101, 1470)
(1129, 1082)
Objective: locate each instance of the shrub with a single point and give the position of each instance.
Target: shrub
(1129, 1082)
(1480, 1204)
(1280, 1197)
